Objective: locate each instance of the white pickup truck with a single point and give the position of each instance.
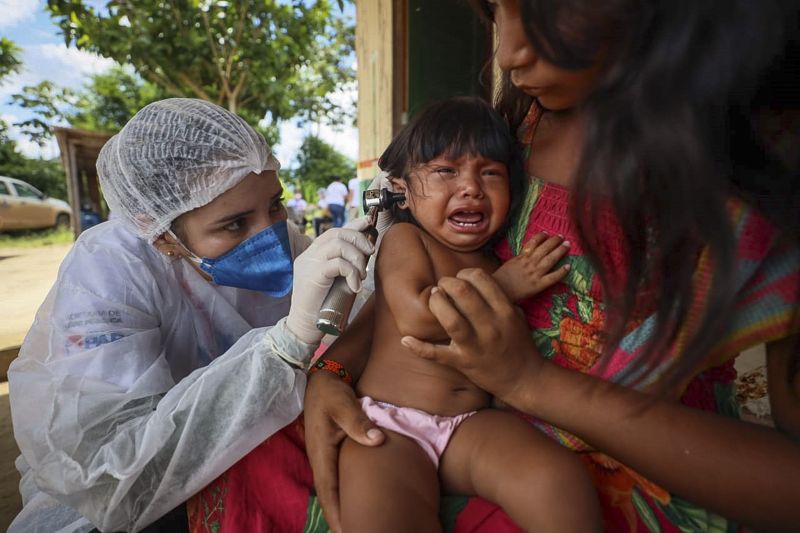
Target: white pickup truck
(23, 206)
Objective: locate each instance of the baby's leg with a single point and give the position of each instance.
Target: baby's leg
(391, 487)
(542, 486)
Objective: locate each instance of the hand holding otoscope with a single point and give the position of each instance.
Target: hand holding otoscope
(336, 306)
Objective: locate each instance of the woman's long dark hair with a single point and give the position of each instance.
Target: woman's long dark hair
(669, 138)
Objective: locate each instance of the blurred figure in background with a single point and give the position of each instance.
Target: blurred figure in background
(322, 216)
(89, 216)
(297, 210)
(354, 198)
(336, 196)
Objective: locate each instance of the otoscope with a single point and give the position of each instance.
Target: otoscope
(336, 306)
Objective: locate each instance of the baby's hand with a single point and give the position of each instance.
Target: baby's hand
(531, 271)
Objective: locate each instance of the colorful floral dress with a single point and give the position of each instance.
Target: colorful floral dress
(567, 325)
(271, 489)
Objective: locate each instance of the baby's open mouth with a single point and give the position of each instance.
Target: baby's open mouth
(467, 219)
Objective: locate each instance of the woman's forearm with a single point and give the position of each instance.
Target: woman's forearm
(740, 470)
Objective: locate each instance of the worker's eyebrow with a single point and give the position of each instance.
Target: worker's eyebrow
(230, 218)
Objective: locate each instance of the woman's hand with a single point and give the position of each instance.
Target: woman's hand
(739, 470)
(337, 252)
(332, 412)
(490, 341)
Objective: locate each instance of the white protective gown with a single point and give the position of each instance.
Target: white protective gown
(140, 382)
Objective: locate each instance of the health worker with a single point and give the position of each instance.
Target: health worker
(177, 334)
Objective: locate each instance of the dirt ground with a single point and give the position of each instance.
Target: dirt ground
(27, 275)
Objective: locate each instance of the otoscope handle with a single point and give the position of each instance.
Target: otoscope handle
(336, 307)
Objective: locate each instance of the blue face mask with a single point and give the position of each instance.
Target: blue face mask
(261, 263)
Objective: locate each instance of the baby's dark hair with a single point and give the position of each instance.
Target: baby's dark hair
(453, 128)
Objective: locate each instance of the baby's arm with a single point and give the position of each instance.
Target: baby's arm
(531, 271)
(405, 277)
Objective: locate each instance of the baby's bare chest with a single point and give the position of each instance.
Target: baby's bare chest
(448, 262)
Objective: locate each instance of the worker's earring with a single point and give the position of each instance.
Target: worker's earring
(170, 253)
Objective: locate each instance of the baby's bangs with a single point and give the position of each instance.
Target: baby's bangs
(464, 130)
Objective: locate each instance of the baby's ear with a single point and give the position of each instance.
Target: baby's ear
(399, 185)
(396, 183)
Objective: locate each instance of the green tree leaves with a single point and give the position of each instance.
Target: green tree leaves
(317, 162)
(258, 58)
(9, 58)
(110, 99)
(49, 104)
(105, 103)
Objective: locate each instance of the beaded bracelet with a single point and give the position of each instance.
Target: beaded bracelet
(334, 367)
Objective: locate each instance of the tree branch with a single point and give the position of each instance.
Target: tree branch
(154, 77)
(238, 89)
(215, 55)
(233, 96)
(199, 91)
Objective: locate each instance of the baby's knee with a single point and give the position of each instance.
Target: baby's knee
(567, 475)
(553, 492)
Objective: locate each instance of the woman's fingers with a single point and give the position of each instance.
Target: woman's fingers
(356, 238)
(427, 350)
(333, 412)
(463, 305)
(478, 293)
(355, 245)
(325, 465)
(354, 423)
(489, 341)
(446, 309)
(347, 259)
(357, 224)
(332, 239)
(336, 267)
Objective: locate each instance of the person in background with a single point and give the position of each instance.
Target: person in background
(354, 198)
(89, 217)
(321, 219)
(177, 334)
(297, 210)
(336, 198)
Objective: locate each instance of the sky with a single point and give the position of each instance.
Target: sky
(45, 56)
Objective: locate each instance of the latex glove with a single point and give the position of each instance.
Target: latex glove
(337, 252)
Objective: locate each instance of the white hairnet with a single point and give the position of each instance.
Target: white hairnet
(176, 155)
